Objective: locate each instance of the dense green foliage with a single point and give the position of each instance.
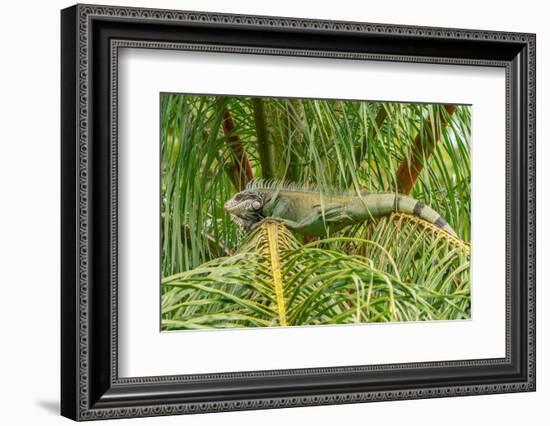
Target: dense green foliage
(392, 269)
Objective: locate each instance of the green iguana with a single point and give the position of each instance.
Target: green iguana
(309, 212)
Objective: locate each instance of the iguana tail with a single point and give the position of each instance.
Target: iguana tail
(385, 203)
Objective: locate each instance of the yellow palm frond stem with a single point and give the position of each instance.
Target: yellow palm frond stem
(271, 239)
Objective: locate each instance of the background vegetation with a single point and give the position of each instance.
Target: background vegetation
(397, 268)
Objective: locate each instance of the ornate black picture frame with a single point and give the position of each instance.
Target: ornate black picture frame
(91, 36)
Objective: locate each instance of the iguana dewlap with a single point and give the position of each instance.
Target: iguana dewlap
(310, 212)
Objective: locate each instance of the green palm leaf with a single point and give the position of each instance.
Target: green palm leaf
(276, 280)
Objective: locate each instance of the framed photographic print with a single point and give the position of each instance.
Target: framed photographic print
(263, 212)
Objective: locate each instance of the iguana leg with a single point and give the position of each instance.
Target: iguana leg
(280, 208)
(314, 223)
(333, 214)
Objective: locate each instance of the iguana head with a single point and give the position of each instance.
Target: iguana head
(245, 208)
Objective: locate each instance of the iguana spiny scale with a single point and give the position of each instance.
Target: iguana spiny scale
(310, 212)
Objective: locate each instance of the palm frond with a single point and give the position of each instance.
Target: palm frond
(275, 280)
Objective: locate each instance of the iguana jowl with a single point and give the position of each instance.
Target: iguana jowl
(309, 212)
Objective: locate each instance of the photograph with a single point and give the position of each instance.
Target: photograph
(282, 212)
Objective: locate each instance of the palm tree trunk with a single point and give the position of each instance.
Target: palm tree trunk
(239, 171)
(264, 149)
(423, 147)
